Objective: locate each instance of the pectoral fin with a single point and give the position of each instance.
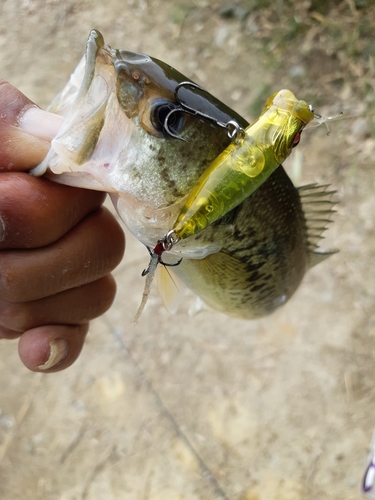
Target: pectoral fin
(171, 288)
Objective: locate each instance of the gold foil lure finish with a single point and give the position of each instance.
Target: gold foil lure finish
(245, 164)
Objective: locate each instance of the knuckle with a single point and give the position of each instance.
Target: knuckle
(16, 317)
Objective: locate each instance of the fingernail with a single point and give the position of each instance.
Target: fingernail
(40, 123)
(58, 351)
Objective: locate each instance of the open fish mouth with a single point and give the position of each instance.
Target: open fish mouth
(95, 134)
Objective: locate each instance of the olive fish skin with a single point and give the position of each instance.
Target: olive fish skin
(247, 263)
(272, 246)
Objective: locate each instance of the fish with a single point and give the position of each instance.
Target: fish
(125, 133)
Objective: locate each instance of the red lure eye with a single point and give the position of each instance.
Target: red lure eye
(296, 139)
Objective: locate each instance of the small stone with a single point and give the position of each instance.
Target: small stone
(235, 12)
(360, 128)
(297, 71)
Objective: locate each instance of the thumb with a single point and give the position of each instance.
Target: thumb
(25, 130)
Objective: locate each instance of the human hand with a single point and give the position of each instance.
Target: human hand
(58, 245)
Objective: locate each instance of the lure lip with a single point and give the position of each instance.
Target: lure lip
(285, 99)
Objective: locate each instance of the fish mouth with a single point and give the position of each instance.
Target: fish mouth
(88, 103)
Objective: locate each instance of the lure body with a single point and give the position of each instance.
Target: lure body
(242, 167)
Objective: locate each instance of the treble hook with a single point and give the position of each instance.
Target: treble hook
(163, 245)
(323, 119)
(235, 132)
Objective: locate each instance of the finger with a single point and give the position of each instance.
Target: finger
(40, 123)
(91, 250)
(19, 149)
(51, 348)
(6, 333)
(36, 212)
(76, 306)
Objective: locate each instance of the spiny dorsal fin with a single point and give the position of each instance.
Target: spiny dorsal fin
(317, 208)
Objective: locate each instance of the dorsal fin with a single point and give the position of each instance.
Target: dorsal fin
(317, 207)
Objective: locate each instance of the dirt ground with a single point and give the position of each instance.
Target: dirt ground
(200, 407)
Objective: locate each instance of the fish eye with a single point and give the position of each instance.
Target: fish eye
(159, 117)
(296, 139)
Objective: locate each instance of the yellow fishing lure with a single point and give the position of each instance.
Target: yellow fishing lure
(245, 164)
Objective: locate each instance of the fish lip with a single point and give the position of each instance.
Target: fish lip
(129, 57)
(129, 66)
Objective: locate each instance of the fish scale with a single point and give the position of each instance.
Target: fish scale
(264, 262)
